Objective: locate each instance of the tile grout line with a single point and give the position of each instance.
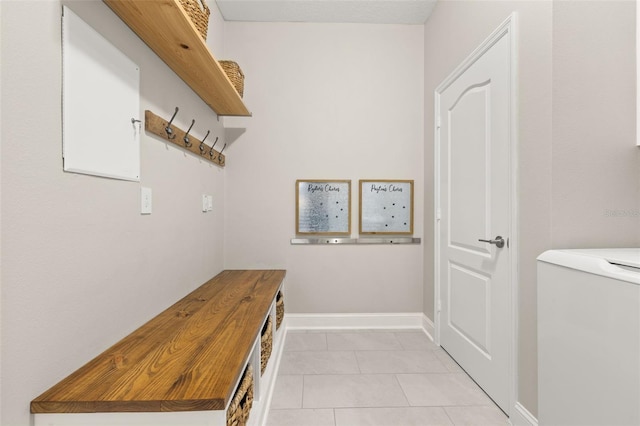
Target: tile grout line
(395, 336)
(404, 393)
(302, 393)
(446, 413)
(355, 355)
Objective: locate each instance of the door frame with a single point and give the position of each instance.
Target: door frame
(507, 28)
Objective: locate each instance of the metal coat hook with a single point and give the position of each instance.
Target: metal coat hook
(168, 129)
(187, 141)
(200, 146)
(220, 155)
(133, 124)
(211, 150)
(202, 143)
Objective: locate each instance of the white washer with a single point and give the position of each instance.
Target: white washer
(589, 337)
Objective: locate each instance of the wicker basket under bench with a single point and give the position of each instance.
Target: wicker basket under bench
(197, 363)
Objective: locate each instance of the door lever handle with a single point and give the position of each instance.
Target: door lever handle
(498, 241)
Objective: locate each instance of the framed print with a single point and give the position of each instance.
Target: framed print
(386, 207)
(323, 207)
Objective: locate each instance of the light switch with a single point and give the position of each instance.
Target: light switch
(145, 200)
(207, 203)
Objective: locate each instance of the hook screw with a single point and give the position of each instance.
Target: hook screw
(212, 146)
(202, 143)
(187, 141)
(168, 129)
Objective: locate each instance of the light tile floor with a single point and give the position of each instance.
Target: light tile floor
(377, 378)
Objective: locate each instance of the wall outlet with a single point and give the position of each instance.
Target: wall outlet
(145, 200)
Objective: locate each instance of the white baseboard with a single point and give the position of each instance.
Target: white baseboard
(354, 321)
(522, 417)
(428, 327)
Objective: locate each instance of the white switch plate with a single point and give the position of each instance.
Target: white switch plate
(207, 203)
(145, 200)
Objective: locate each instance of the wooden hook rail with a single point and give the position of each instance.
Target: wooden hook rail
(157, 125)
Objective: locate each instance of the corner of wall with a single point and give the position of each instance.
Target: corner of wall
(215, 35)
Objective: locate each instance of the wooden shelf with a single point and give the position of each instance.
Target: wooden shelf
(188, 358)
(165, 27)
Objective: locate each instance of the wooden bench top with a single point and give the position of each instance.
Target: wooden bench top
(188, 358)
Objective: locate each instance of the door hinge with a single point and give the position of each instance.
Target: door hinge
(438, 214)
(439, 306)
(438, 122)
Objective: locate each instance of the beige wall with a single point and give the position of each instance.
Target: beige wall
(595, 160)
(80, 266)
(329, 101)
(576, 133)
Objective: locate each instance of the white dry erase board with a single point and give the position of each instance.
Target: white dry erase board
(100, 97)
(386, 207)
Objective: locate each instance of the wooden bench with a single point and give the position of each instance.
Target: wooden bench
(188, 359)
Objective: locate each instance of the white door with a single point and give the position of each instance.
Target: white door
(475, 182)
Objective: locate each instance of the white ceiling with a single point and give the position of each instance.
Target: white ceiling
(351, 11)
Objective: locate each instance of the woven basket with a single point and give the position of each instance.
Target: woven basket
(266, 342)
(279, 309)
(233, 71)
(240, 406)
(198, 14)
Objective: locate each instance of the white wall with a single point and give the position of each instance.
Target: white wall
(81, 268)
(329, 101)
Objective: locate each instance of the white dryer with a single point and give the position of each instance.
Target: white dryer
(589, 337)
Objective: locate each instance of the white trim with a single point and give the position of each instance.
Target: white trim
(515, 217)
(522, 417)
(508, 27)
(354, 321)
(428, 327)
(161, 418)
(437, 213)
(270, 376)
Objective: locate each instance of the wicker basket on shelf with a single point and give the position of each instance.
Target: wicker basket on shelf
(233, 71)
(240, 406)
(266, 341)
(198, 12)
(279, 309)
